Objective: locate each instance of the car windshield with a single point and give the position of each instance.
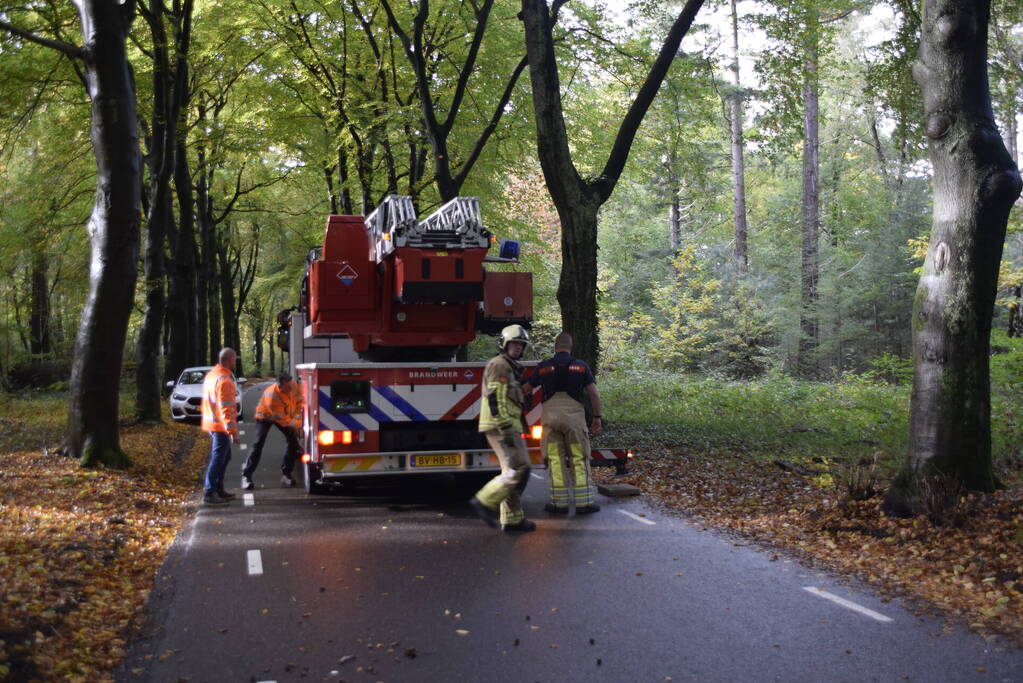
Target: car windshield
(192, 377)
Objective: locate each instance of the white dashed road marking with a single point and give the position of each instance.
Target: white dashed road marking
(243, 447)
(249, 499)
(255, 563)
(848, 604)
(534, 474)
(637, 517)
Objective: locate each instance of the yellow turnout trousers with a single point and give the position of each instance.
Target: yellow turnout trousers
(566, 445)
(506, 488)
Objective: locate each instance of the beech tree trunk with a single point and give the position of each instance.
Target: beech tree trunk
(674, 222)
(185, 344)
(975, 185)
(113, 233)
(738, 161)
(579, 200)
(39, 306)
(439, 120)
(209, 281)
(807, 361)
(169, 86)
(1012, 134)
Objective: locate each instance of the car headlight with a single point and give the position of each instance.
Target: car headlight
(178, 397)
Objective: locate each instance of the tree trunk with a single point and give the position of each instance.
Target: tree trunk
(807, 361)
(439, 120)
(577, 200)
(1012, 132)
(577, 286)
(674, 220)
(114, 236)
(147, 348)
(159, 221)
(975, 185)
(232, 333)
(738, 162)
(181, 346)
(39, 306)
(185, 342)
(209, 282)
(1015, 327)
(272, 348)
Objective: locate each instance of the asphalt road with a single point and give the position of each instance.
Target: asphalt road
(402, 584)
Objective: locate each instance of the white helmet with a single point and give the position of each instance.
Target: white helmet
(513, 333)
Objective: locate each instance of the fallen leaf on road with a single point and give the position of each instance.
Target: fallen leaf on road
(461, 632)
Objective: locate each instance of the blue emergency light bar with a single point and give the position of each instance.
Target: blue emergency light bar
(509, 250)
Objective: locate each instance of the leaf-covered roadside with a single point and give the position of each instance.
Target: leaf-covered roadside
(79, 549)
(971, 571)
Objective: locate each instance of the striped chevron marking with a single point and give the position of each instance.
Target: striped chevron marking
(596, 455)
(609, 454)
(536, 409)
(402, 403)
(363, 463)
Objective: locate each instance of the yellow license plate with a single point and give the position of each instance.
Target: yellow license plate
(452, 460)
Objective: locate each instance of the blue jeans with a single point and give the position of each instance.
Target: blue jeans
(220, 455)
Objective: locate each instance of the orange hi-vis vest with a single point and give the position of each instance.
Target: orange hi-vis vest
(219, 401)
(282, 408)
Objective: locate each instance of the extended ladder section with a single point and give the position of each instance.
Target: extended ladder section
(389, 223)
(456, 225)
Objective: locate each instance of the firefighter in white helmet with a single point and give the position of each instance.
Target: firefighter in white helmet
(501, 422)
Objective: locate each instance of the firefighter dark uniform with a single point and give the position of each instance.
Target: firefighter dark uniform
(501, 423)
(566, 439)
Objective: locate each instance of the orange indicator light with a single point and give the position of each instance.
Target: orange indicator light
(536, 431)
(346, 436)
(306, 457)
(326, 437)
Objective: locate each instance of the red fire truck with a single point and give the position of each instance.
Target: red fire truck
(385, 303)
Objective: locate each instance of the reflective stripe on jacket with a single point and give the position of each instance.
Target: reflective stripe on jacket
(219, 401)
(501, 407)
(282, 408)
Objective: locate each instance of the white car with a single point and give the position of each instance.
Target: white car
(186, 394)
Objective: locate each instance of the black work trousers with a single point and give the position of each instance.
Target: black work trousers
(291, 453)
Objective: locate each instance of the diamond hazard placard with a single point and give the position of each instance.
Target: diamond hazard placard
(347, 275)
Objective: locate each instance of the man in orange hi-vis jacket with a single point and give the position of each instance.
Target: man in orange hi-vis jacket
(281, 405)
(220, 402)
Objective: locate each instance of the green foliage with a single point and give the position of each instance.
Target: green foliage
(776, 414)
(890, 369)
(1006, 394)
(684, 332)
